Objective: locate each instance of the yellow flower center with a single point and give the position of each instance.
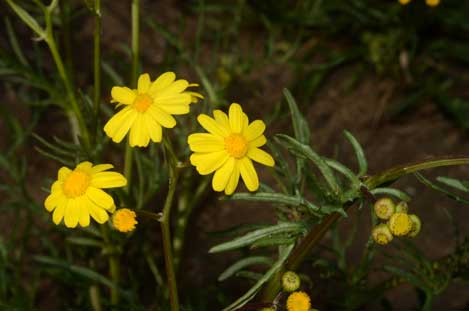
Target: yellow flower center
(76, 184)
(236, 145)
(400, 224)
(298, 301)
(142, 102)
(381, 238)
(124, 220)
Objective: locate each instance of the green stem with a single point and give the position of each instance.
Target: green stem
(317, 233)
(166, 233)
(66, 80)
(135, 40)
(128, 165)
(113, 265)
(97, 63)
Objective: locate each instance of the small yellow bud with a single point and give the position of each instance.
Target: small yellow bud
(290, 281)
(384, 208)
(432, 2)
(416, 225)
(402, 207)
(404, 2)
(400, 224)
(124, 220)
(298, 301)
(381, 234)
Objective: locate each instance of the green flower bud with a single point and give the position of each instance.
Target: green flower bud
(416, 225)
(402, 207)
(381, 234)
(400, 224)
(290, 281)
(384, 208)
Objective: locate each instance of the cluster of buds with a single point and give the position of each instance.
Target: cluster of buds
(397, 221)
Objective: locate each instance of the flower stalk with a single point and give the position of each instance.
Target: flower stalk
(166, 230)
(97, 63)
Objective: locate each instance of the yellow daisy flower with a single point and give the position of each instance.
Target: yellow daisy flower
(229, 148)
(124, 220)
(77, 194)
(148, 108)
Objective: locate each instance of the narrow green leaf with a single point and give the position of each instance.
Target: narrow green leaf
(300, 126)
(274, 198)
(391, 191)
(455, 183)
(306, 151)
(14, 43)
(440, 189)
(241, 301)
(27, 19)
(243, 263)
(362, 163)
(251, 237)
(355, 181)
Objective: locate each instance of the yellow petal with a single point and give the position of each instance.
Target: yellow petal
(100, 198)
(85, 166)
(234, 179)
(83, 212)
(53, 200)
(97, 213)
(118, 126)
(139, 135)
(205, 142)
(163, 118)
(236, 118)
(123, 95)
(162, 82)
(143, 84)
(248, 173)
(261, 156)
(221, 118)
(63, 173)
(59, 213)
(257, 142)
(108, 180)
(212, 126)
(154, 128)
(56, 186)
(71, 213)
(222, 175)
(175, 104)
(101, 167)
(206, 163)
(176, 87)
(254, 130)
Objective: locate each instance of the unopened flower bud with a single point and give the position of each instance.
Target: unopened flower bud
(381, 234)
(402, 207)
(416, 225)
(384, 208)
(290, 281)
(400, 224)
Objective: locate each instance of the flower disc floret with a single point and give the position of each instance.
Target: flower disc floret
(124, 220)
(381, 234)
(229, 148)
(149, 108)
(384, 208)
(290, 281)
(76, 194)
(400, 224)
(298, 301)
(416, 226)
